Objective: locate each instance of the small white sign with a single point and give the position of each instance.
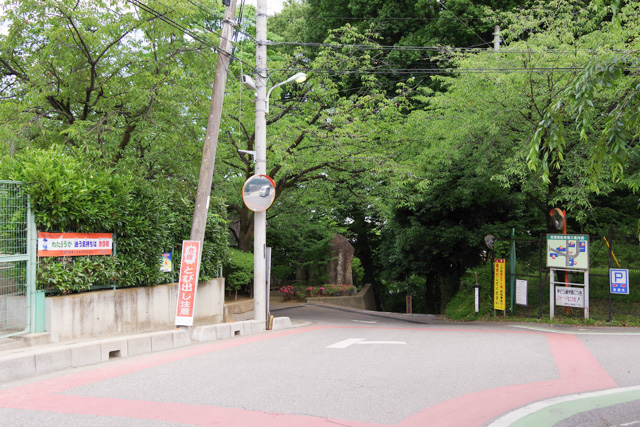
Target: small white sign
(569, 296)
(521, 292)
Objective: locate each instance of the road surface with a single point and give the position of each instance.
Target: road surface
(351, 368)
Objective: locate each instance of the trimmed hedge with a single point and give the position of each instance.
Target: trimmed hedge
(147, 217)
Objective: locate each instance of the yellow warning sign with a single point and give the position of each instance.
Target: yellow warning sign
(499, 290)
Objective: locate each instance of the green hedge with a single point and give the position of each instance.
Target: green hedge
(147, 218)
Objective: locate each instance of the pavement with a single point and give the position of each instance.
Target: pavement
(36, 356)
(32, 355)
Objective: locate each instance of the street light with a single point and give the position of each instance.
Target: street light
(260, 218)
(251, 84)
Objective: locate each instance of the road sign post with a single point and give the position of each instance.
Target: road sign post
(619, 281)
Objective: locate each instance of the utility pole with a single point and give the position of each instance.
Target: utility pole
(260, 218)
(496, 38)
(213, 126)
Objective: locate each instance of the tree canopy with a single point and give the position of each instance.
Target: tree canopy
(412, 136)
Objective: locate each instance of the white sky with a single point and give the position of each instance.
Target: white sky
(273, 6)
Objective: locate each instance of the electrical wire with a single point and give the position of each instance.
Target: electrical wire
(182, 28)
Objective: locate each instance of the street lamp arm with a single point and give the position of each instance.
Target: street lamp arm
(298, 78)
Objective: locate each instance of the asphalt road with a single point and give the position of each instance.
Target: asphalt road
(353, 369)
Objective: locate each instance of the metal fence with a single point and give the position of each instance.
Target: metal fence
(529, 264)
(17, 261)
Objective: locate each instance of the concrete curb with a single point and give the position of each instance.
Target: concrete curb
(30, 362)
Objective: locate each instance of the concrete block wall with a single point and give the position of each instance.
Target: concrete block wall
(128, 311)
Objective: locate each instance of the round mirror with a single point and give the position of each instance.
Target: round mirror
(258, 193)
(558, 218)
(490, 240)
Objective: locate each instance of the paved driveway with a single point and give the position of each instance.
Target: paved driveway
(343, 367)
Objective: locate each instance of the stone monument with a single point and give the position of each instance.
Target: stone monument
(341, 259)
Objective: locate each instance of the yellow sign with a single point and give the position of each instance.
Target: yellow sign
(499, 289)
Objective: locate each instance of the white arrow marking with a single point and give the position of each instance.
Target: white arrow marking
(348, 342)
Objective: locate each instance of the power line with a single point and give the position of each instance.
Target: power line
(438, 70)
(183, 29)
(442, 49)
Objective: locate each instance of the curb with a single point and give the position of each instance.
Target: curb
(29, 362)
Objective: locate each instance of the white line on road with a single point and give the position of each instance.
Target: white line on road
(574, 332)
(364, 321)
(348, 342)
(381, 342)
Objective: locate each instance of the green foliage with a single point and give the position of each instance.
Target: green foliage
(462, 306)
(239, 270)
(600, 105)
(107, 78)
(305, 291)
(357, 272)
(77, 275)
(71, 194)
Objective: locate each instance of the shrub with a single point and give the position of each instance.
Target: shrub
(147, 218)
(309, 291)
(239, 270)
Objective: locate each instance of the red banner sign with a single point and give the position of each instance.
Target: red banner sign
(188, 283)
(74, 244)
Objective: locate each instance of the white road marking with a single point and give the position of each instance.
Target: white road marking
(574, 332)
(348, 342)
(381, 342)
(364, 321)
(513, 416)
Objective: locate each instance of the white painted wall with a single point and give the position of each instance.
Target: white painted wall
(128, 311)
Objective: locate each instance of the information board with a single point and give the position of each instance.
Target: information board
(568, 251)
(521, 292)
(499, 288)
(568, 296)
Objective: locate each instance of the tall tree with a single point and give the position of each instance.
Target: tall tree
(317, 131)
(112, 80)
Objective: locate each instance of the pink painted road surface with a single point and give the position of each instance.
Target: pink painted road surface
(578, 371)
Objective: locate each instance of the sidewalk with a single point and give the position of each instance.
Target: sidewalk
(34, 354)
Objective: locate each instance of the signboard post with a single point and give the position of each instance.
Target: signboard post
(619, 281)
(568, 253)
(188, 282)
(499, 292)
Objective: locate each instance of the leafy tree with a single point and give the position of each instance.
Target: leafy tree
(106, 77)
(472, 141)
(318, 134)
(601, 106)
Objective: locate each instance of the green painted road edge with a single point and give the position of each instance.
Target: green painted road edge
(552, 411)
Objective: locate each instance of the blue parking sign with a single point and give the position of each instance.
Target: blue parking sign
(619, 280)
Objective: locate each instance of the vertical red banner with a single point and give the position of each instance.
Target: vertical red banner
(188, 282)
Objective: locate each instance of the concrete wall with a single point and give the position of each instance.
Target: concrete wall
(364, 300)
(128, 311)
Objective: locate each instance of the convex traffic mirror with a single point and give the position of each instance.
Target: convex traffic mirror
(259, 192)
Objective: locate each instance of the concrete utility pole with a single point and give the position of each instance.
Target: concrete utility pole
(260, 218)
(213, 126)
(496, 38)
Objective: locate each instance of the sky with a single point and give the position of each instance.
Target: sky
(273, 6)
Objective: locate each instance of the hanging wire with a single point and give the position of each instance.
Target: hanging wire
(180, 27)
